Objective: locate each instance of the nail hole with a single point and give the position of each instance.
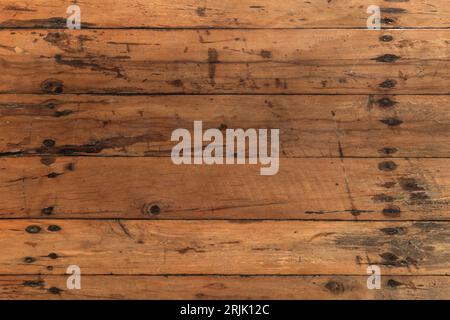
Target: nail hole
(54, 228)
(155, 209)
(29, 259)
(53, 256)
(33, 229)
(386, 38)
(47, 211)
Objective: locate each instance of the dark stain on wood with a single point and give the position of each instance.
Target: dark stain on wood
(392, 122)
(387, 166)
(394, 231)
(387, 58)
(388, 84)
(386, 102)
(213, 59)
(392, 211)
(335, 287)
(52, 86)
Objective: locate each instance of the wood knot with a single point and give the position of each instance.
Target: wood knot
(33, 229)
(29, 259)
(48, 143)
(387, 166)
(388, 151)
(388, 20)
(386, 102)
(54, 290)
(393, 231)
(33, 284)
(335, 287)
(54, 228)
(53, 256)
(388, 256)
(155, 209)
(52, 86)
(388, 84)
(393, 283)
(386, 38)
(53, 175)
(387, 58)
(392, 122)
(47, 211)
(47, 161)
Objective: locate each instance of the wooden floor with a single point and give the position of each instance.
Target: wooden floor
(86, 177)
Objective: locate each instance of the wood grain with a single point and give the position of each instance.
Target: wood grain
(223, 287)
(203, 247)
(365, 189)
(310, 126)
(86, 178)
(224, 14)
(225, 61)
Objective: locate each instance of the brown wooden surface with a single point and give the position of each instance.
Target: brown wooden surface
(202, 247)
(224, 61)
(223, 287)
(225, 14)
(357, 189)
(86, 176)
(311, 126)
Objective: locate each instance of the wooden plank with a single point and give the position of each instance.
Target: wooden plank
(310, 126)
(225, 61)
(50, 287)
(224, 14)
(203, 247)
(155, 188)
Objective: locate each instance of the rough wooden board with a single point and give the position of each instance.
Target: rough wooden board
(225, 14)
(88, 187)
(224, 287)
(311, 126)
(221, 254)
(223, 247)
(225, 61)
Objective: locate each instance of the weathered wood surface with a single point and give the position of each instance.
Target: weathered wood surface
(154, 188)
(224, 247)
(225, 61)
(51, 287)
(225, 14)
(86, 178)
(310, 126)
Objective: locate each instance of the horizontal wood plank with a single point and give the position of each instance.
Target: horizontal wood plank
(155, 188)
(224, 14)
(225, 61)
(310, 126)
(223, 247)
(50, 287)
